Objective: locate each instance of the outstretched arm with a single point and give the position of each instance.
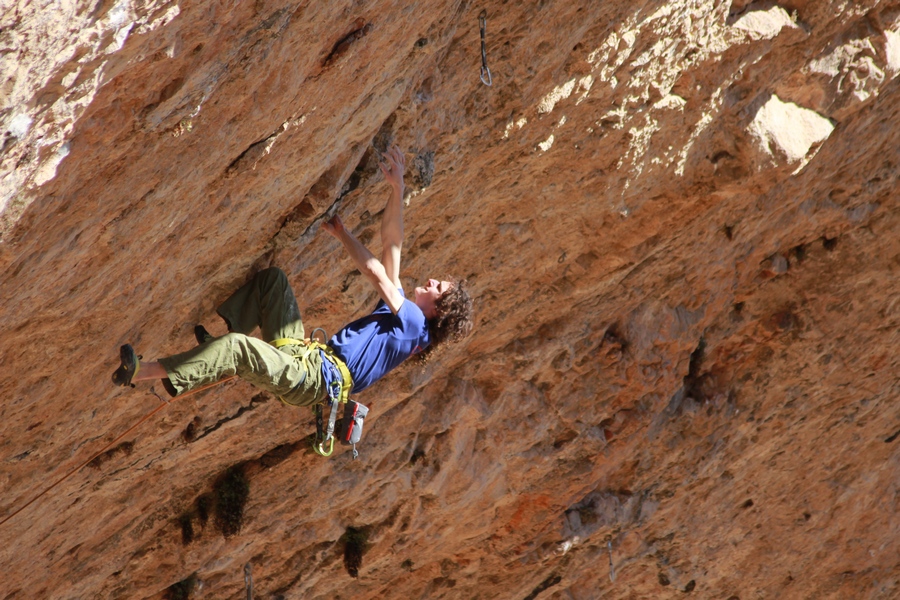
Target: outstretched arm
(368, 265)
(393, 165)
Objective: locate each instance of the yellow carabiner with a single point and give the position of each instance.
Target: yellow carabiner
(320, 450)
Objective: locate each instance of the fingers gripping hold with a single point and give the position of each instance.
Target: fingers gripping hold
(393, 166)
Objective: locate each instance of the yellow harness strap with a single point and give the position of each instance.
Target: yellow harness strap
(289, 342)
(346, 378)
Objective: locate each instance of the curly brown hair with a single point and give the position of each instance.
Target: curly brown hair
(454, 318)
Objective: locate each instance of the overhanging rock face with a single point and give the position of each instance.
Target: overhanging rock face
(679, 221)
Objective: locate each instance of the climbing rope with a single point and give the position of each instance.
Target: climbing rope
(162, 405)
(485, 72)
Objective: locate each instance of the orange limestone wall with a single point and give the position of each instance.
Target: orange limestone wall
(678, 219)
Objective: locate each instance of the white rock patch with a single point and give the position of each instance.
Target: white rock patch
(892, 50)
(790, 128)
(764, 24)
(560, 92)
(672, 102)
(19, 125)
(856, 66)
(546, 144)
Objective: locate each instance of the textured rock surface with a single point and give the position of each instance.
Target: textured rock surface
(678, 218)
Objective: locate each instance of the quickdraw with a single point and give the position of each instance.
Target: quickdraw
(248, 580)
(612, 569)
(326, 435)
(485, 75)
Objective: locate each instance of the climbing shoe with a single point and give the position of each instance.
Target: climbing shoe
(131, 362)
(202, 334)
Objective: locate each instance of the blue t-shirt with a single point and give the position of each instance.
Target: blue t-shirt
(375, 344)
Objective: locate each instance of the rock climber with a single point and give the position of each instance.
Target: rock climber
(304, 373)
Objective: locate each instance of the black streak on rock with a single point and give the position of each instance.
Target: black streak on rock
(693, 379)
(125, 448)
(231, 494)
(190, 432)
(182, 590)
(186, 523)
(545, 585)
(355, 546)
(343, 45)
(204, 505)
(254, 402)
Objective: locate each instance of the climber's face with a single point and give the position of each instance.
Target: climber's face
(428, 295)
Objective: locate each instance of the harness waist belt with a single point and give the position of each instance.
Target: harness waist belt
(346, 378)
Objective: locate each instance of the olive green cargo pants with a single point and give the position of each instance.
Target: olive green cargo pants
(293, 373)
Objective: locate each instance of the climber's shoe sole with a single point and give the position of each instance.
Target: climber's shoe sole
(131, 362)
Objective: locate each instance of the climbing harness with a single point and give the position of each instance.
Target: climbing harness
(485, 72)
(338, 393)
(343, 389)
